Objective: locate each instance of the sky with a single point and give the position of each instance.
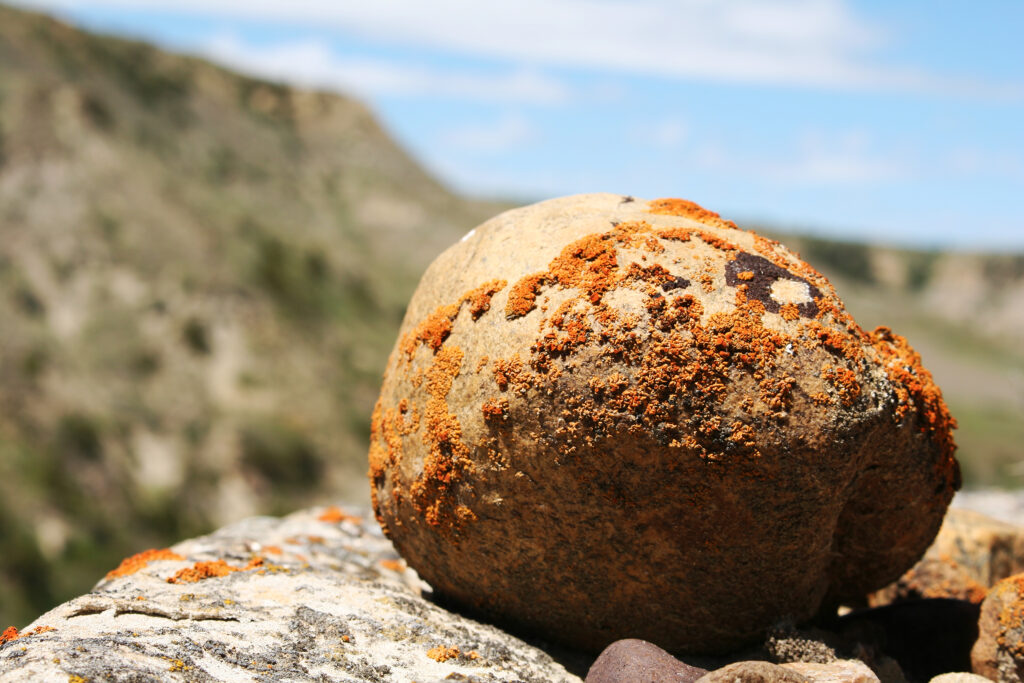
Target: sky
(899, 122)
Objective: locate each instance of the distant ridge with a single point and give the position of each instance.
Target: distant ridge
(201, 276)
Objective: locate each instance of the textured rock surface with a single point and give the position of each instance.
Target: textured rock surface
(971, 553)
(298, 598)
(839, 671)
(999, 652)
(959, 677)
(754, 672)
(989, 549)
(612, 418)
(637, 661)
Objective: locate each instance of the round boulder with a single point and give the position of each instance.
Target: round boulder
(612, 418)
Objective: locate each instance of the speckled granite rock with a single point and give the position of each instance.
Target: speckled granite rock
(317, 595)
(999, 652)
(598, 405)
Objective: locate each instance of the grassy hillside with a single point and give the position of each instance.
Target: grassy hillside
(201, 275)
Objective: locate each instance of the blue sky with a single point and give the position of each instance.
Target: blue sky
(893, 121)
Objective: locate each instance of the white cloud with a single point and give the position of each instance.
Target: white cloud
(669, 133)
(313, 64)
(795, 42)
(506, 133)
(817, 160)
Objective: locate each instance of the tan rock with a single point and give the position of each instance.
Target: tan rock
(753, 672)
(970, 553)
(989, 549)
(999, 652)
(959, 677)
(839, 671)
(611, 418)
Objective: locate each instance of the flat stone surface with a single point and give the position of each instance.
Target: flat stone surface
(316, 595)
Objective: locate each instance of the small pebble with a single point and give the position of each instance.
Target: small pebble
(638, 661)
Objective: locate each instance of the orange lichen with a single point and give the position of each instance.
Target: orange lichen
(522, 298)
(132, 564)
(510, 372)
(789, 312)
(746, 275)
(272, 550)
(495, 409)
(432, 331)
(688, 209)
(334, 514)
(845, 383)
(393, 565)
(447, 460)
(918, 394)
(435, 328)
(442, 653)
(479, 299)
(211, 570)
(10, 633)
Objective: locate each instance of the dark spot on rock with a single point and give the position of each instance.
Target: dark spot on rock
(759, 274)
(675, 283)
(627, 199)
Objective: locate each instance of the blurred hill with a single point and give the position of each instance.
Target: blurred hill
(202, 274)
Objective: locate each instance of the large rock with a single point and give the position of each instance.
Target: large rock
(611, 418)
(313, 596)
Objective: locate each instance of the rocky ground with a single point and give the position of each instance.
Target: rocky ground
(322, 595)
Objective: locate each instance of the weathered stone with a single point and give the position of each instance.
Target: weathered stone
(999, 652)
(931, 578)
(838, 671)
(959, 677)
(313, 596)
(637, 661)
(988, 549)
(970, 553)
(754, 672)
(611, 418)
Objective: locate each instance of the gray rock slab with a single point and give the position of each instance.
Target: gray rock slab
(307, 597)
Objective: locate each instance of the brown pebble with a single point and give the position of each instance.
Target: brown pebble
(637, 661)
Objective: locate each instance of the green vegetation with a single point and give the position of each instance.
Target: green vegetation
(847, 259)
